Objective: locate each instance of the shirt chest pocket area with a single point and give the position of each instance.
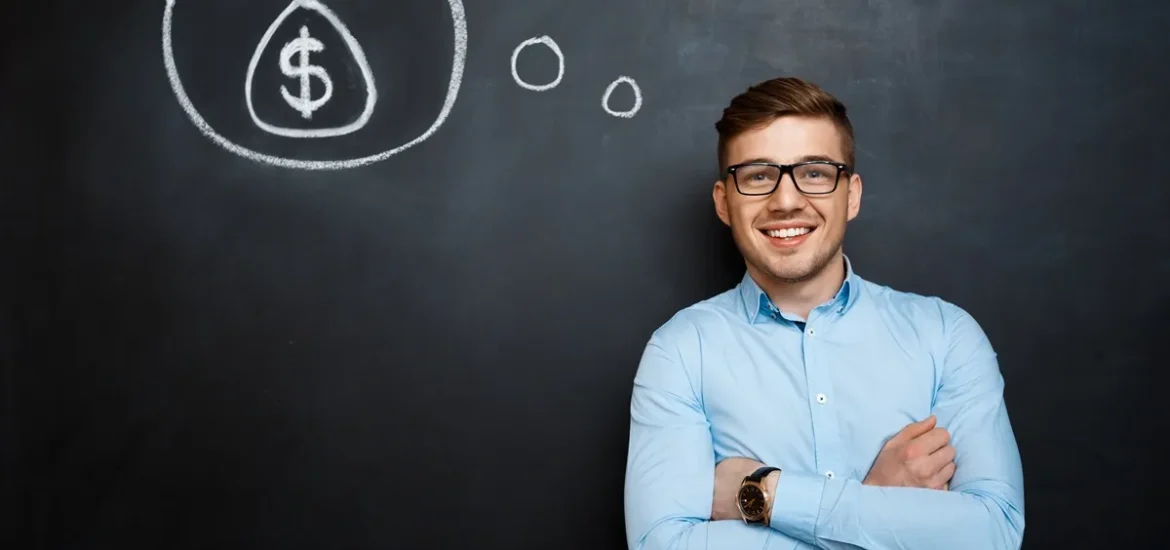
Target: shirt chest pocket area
(756, 408)
(891, 392)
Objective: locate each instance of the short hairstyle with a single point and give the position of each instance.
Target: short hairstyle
(766, 101)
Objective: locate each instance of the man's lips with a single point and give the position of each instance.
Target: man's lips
(787, 232)
(787, 235)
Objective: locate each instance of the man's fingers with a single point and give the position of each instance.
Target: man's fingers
(942, 479)
(934, 462)
(931, 441)
(914, 430)
(926, 466)
(946, 453)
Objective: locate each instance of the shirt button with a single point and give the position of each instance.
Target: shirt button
(821, 398)
(829, 474)
(812, 332)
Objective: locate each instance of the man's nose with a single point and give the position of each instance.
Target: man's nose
(786, 197)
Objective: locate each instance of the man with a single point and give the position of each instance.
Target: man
(808, 407)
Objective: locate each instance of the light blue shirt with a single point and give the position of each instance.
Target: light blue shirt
(733, 376)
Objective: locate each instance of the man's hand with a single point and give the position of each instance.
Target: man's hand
(729, 474)
(918, 456)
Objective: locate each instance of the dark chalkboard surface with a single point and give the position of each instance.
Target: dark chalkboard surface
(435, 348)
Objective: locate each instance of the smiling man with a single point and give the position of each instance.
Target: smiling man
(808, 407)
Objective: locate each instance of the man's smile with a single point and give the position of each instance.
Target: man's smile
(787, 235)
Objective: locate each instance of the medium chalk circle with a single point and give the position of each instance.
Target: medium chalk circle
(637, 97)
(552, 45)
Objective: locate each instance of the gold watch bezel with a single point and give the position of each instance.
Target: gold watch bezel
(739, 501)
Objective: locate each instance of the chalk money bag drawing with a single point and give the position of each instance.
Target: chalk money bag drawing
(304, 102)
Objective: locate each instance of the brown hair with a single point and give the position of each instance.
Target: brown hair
(766, 101)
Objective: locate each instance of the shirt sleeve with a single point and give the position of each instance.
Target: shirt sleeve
(984, 506)
(670, 470)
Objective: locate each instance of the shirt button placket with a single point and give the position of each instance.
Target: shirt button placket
(827, 439)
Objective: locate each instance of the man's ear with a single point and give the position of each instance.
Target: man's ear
(854, 196)
(719, 195)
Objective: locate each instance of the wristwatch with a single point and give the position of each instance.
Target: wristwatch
(752, 498)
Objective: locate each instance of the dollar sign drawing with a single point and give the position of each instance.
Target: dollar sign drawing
(303, 46)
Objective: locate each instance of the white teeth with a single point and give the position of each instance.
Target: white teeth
(787, 233)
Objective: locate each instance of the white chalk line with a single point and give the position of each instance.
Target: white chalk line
(459, 20)
(552, 45)
(355, 49)
(613, 86)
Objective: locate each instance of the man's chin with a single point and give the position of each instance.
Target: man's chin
(789, 266)
(790, 273)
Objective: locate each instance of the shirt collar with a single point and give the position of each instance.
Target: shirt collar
(756, 301)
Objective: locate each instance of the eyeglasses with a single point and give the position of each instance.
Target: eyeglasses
(817, 177)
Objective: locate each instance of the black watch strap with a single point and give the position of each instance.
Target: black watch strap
(759, 474)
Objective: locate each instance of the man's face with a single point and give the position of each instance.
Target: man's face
(754, 219)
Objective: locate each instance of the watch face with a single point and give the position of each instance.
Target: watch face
(751, 501)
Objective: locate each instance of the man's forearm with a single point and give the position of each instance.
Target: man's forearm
(684, 534)
(844, 514)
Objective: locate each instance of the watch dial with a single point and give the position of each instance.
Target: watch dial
(751, 501)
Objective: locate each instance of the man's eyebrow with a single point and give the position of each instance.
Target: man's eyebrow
(809, 158)
(757, 159)
(805, 158)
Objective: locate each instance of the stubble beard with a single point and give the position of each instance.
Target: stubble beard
(783, 270)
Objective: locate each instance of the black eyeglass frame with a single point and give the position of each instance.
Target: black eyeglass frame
(842, 168)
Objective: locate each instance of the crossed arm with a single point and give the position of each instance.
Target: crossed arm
(671, 464)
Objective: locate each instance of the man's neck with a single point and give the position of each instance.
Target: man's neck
(799, 298)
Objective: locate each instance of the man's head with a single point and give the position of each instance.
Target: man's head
(792, 232)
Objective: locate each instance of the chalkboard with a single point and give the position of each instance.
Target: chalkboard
(419, 328)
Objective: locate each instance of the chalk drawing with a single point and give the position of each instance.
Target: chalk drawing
(303, 46)
(637, 98)
(552, 45)
(458, 61)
